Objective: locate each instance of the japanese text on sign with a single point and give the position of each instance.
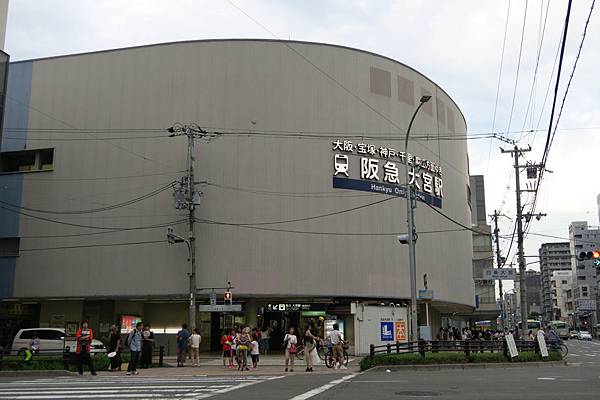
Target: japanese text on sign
(423, 174)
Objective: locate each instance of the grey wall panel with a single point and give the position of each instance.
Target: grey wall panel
(225, 85)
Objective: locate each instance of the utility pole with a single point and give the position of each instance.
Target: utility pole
(499, 259)
(186, 197)
(516, 153)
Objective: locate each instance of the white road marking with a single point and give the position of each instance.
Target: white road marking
(573, 380)
(546, 379)
(240, 386)
(321, 389)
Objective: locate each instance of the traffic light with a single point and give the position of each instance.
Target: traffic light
(228, 297)
(590, 255)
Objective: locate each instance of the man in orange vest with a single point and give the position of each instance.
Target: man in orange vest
(84, 342)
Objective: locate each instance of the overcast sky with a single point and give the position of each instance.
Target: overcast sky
(458, 44)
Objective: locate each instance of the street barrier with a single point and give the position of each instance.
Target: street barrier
(458, 346)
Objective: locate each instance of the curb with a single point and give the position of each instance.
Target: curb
(37, 373)
(436, 367)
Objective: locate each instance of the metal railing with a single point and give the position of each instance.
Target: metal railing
(457, 346)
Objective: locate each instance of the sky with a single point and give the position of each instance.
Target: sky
(458, 44)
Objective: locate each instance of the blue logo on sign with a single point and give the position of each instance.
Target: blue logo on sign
(387, 331)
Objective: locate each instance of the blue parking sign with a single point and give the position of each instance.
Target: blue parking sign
(387, 331)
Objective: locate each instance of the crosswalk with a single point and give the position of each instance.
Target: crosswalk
(127, 387)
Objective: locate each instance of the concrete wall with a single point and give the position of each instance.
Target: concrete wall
(248, 85)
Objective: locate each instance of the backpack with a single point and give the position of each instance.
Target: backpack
(129, 337)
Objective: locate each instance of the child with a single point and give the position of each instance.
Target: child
(34, 344)
(254, 352)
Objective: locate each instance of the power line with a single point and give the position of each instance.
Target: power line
(137, 228)
(339, 84)
(12, 210)
(325, 233)
(456, 222)
(512, 107)
(93, 210)
(311, 217)
(102, 178)
(498, 86)
(94, 245)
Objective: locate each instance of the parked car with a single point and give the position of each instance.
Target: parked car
(50, 339)
(574, 335)
(584, 335)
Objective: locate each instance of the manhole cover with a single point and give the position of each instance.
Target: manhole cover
(417, 393)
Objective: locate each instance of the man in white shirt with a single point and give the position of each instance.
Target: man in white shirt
(335, 338)
(195, 340)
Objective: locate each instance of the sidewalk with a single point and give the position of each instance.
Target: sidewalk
(212, 364)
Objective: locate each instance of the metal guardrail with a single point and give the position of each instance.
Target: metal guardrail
(457, 346)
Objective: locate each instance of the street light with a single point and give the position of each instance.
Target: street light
(412, 234)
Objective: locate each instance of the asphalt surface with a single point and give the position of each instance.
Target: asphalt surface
(579, 380)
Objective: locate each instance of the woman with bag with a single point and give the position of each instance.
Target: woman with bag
(244, 341)
(309, 347)
(290, 341)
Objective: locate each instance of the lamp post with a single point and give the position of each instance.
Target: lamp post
(412, 234)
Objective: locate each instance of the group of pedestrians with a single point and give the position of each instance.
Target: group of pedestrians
(238, 344)
(188, 345)
(140, 343)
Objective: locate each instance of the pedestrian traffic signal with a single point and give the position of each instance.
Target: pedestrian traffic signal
(589, 255)
(228, 297)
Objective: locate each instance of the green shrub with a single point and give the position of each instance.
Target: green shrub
(554, 356)
(487, 358)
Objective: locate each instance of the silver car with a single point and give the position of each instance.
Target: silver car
(51, 340)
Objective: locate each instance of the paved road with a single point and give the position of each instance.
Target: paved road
(580, 380)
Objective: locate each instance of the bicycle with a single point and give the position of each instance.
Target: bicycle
(319, 348)
(330, 361)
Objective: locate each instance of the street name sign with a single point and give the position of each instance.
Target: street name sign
(220, 307)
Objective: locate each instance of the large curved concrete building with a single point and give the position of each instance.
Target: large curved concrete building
(298, 123)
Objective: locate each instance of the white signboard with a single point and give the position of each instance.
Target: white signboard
(512, 346)
(220, 307)
(585, 304)
(542, 342)
(502, 274)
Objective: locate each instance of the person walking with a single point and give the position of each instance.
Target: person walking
(309, 347)
(265, 337)
(182, 344)
(290, 341)
(134, 342)
(115, 347)
(84, 336)
(226, 342)
(195, 340)
(335, 338)
(147, 346)
(243, 346)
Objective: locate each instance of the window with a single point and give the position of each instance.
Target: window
(28, 334)
(9, 247)
(564, 282)
(581, 278)
(27, 161)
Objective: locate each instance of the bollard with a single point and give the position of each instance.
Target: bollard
(161, 355)
(467, 348)
(397, 347)
(371, 350)
(389, 348)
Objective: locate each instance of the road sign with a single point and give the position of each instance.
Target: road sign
(213, 298)
(502, 274)
(28, 355)
(220, 307)
(597, 262)
(425, 295)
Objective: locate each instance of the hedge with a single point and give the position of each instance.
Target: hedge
(451, 358)
(12, 363)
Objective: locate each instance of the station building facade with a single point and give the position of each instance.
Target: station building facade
(301, 186)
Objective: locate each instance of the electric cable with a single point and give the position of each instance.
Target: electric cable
(93, 210)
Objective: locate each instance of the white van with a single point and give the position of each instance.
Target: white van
(51, 340)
